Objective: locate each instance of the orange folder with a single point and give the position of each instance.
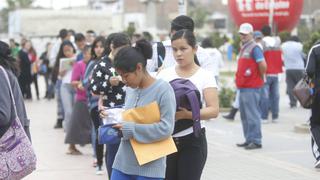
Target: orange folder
(148, 152)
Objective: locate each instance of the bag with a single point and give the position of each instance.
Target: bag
(304, 93)
(17, 157)
(108, 135)
(188, 96)
(161, 50)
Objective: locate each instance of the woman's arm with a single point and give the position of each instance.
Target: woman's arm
(210, 111)
(148, 133)
(5, 105)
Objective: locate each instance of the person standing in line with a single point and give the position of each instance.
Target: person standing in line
(189, 161)
(34, 68)
(55, 81)
(293, 57)
(249, 80)
(106, 83)
(25, 77)
(270, 93)
(143, 89)
(67, 50)
(98, 51)
(80, 41)
(6, 107)
(313, 71)
(79, 128)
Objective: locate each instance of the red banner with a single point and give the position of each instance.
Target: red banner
(256, 12)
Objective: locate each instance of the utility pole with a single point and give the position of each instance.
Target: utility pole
(271, 14)
(182, 7)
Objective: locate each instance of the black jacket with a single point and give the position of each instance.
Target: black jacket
(313, 65)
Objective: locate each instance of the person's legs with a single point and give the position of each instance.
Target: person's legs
(35, 81)
(67, 97)
(315, 129)
(98, 147)
(265, 103)
(251, 99)
(60, 112)
(274, 97)
(243, 114)
(290, 81)
(112, 150)
(172, 164)
(192, 157)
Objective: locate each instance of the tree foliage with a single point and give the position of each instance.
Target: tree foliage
(198, 14)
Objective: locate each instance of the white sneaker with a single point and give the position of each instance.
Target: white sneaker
(264, 121)
(317, 165)
(99, 170)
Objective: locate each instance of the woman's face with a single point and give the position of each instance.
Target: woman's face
(131, 79)
(99, 49)
(87, 56)
(183, 52)
(68, 51)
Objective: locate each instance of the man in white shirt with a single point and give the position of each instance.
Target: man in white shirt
(155, 64)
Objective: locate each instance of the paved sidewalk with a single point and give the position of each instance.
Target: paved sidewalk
(285, 155)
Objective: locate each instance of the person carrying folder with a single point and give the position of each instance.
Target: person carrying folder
(189, 161)
(143, 90)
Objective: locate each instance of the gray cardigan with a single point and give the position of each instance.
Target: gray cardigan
(125, 160)
(7, 113)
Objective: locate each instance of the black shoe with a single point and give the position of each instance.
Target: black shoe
(242, 144)
(58, 125)
(231, 114)
(253, 146)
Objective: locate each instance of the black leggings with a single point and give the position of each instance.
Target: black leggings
(99, 147)
(315, 127)
(189, 161)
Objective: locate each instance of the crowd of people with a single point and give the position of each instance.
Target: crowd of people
(90, 76)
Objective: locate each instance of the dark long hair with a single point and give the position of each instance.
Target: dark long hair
(6, 60)
(189, 37)
(59, 56)
(95, 42)
(128, 57)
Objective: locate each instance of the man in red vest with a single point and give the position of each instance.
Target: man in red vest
(249, 81)
(270, 93)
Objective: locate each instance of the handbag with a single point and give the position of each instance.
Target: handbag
(108, 135)
(304, 92)
(17, 157)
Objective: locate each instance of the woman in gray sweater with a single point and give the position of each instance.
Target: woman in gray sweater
(7, 113)
(130, 63)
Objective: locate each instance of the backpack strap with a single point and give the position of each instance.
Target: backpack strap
(195, 106)
(161, 53)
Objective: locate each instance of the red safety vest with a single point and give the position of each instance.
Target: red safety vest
(248, 75)
(273, 60)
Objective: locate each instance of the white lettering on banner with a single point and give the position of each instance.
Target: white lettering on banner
(259, 5)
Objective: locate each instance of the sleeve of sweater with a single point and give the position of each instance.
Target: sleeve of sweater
(5, 105)
(100, 82)
(148, 133)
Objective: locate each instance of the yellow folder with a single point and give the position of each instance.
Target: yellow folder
(148, 152)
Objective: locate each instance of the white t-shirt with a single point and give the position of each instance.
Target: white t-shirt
(202, 79)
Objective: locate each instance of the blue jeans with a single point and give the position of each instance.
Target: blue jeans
(250, 114)
(270, 98)
(111, 152)
(118, 175)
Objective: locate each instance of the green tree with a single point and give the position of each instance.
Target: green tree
(12, 5)
(199, 15)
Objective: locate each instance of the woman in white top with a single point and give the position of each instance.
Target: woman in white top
(189, 161)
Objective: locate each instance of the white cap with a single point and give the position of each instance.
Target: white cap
(246, 28)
